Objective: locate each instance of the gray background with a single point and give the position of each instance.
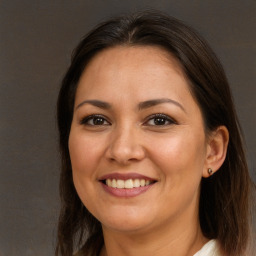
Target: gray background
(36, 40)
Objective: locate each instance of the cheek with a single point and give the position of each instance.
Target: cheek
(84, 153)
(84, 159)
(179, 161)
(179, 154)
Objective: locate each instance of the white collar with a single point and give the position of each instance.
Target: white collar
(209, 249)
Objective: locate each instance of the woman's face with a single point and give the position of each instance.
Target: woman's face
(137, 142)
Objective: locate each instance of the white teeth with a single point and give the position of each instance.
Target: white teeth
(136, 183)
(120, 183)
(109, 182)
(114, 185)
(127, 183)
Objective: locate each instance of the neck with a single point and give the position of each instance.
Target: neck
(181, 239)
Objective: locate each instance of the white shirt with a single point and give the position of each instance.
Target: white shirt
(209, 249)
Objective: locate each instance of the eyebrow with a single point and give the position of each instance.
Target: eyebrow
(96, 103)
(141, 105)
(154, 102)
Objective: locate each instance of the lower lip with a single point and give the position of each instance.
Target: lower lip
(126, 192)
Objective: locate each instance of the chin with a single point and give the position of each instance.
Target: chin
(125, 227)
(125, 222)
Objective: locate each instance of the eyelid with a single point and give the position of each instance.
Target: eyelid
(161, 115)
(85, 119)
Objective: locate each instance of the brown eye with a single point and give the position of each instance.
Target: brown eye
(159, 120)
(98, 121)
(94, 120)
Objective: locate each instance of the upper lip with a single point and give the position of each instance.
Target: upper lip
(125, 176)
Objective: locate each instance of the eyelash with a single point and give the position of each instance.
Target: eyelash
(85, 121)
(161, 118)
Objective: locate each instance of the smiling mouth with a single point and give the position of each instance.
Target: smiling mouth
(127, 184)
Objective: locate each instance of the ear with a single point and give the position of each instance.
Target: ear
(216, 151)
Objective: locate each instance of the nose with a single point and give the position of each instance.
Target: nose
(125, 146)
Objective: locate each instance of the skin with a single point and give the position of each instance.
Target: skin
(176, 154)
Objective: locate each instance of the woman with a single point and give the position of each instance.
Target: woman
(152, 155)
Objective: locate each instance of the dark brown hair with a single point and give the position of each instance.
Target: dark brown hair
(223, 210)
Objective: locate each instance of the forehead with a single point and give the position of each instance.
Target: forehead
(133, 57)
(133, 68)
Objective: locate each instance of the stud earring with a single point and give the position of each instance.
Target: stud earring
(210, 171)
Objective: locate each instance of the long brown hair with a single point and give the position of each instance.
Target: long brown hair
(224, 198)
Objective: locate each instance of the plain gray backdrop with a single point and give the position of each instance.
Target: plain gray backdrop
(36, 41)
